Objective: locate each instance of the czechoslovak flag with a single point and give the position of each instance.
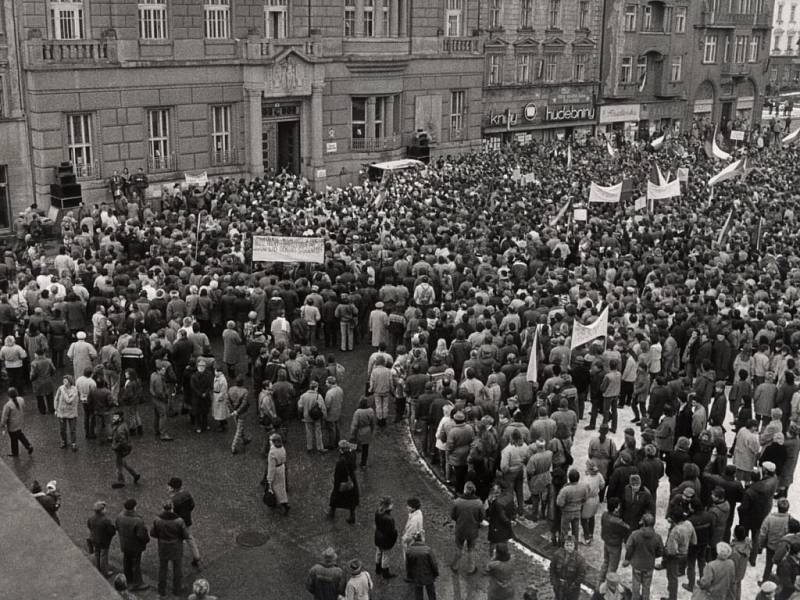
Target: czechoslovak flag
(792, 137)
(658, 143)
(732, 170)
(717, 151)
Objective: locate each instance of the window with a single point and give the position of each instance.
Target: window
(359, 118)
(453, 16)
(217, 16)
(680, 19)
(221, 134)
(554, 14)
(630, 17)
(710, 49)
(742, 42)
(457, 105)
(494, 14)
(66, 20)
(668, 19)
(526, 14)
(550, 67)
(647, 18)
(726, 49)
(5, 220)
(349, 18)
(158, 151)
(580, 67)
(583, 14)
(677, 68)
(779, 13)
(368, 16)
(789, 43)
(755, 42)
(385, 26)
(495, 69)
(276, 19)
(523, 68)
(152, 19)
(79, 144)
(626, 70)
(792, 12)
(380, 112)
(776, 42)
(641, 70)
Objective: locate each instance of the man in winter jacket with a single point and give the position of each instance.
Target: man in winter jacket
(467, 512)
(422, 568)
(614, 531)
(101, 532)
(636, 501)
(170, 531)
(757, 504)
(306, 408)
(643, 547)
(326, 580)
(183, 505)
(133, 539)
(459, 439)
(570, 500)
(719, 511)
(774, 527)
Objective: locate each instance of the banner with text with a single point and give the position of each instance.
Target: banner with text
(582, 334)
(598, 193)
(288, 249)
(662, 192)
(200, 180)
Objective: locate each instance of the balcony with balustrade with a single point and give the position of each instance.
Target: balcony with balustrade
(375, 144)
(221, 158)
(461, 45)
(40, 53)
(735, 70)
(162, 164)
(728, 20)
(87, 170)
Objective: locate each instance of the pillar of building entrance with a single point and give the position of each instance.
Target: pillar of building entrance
(255, 153)
(317, 161)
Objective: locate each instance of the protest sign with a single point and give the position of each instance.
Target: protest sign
(580, 214)
(200, 180)
(582, 334)
(598, 193)
(288, 249)
(661, 192)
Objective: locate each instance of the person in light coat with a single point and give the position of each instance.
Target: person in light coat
(362, 428)
(414, 523)
(12, 420)
(334, 400)
(276, 471)
(82, 354)
(66, 404)
(379, 325)
(746, 451)
(220, 409)
(719, 577)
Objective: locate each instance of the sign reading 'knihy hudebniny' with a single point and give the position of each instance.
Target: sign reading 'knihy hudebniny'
(288, 249)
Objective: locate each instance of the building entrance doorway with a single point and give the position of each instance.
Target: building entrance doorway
(288, 155)
(280, 137)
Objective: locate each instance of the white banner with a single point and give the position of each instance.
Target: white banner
(640, 203)
(662, 192)
(200, 180)
(288, 249)
(580, 214)
(581, 334)
(533, 362)
(683, 174)
(598, 193)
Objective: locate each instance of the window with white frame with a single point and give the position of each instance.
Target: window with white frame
(641, 69)
(742, 42)
(755, 42)
(495, 7)
(626, 70)
(726, 48)
(776, 39)
(457, 108)
(495, 69)
(217, 17)
(385, 22)
(676, 72)
(276, 19)
(526, 14)
(710, 49)
(158, 146)
(152, 19)
(523, 67)
(647, 18)
(583, 14)
(349, 18)
(379, 122)
(790, 43)
(554, 14)
(580, 67)
(221, 133)
(66, 20)
(630, 17)
(680, 19)
(453, 17)
(358, 118)
(550, 67)
(368, 18)
(667, 21)
(79, 143)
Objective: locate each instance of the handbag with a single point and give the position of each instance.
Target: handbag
(346, 486)
(269, 498)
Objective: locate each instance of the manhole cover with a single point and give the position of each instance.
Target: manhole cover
(251, 539)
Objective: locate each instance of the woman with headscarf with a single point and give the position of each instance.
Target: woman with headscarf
(276, 472)
(594, 482)
(219, 402)
(719, 576)
(345, 492)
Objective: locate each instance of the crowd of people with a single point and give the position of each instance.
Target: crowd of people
(457, 277)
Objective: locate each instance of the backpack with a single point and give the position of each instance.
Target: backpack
(426, 294)
(315, 412)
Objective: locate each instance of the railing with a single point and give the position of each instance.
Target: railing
(374, 144)
(653, 29)
(732, 69)
(726, 19)
(273, 47)
(461, 45)
(225, 157)
(72, 51)
(90, 170)
(161, 163)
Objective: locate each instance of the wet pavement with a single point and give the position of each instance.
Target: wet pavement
(227, 493)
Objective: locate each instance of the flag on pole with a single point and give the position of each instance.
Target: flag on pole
(613, 153)
(582, 334)
(658, 143)
(760, 233)
(717, 151)
(735, 169)
(643, 81)
(726, 228)
(379, 199)
(533, 361)
(792, 137)
(661, 179)
(569, 156)
(554, 221)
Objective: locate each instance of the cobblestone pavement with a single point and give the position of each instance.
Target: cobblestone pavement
(228, 497)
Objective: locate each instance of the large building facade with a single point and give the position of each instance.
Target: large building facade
(674, 63)
(244, 87)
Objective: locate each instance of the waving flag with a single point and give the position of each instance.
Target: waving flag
(643, 82)
(792, 137)
(569, 156)
(735, 169)
(658, 143)
(554, 221)
(533, 363)
(726, 228)
(717, 151)
(613, 153)
(582, 334)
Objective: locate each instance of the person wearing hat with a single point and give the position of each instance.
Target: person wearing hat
(378, 324)
(345, 492)
(81, 353)
(422, 568)
(459, 440)
(133, 539)
(101, 532)
(757, 503)
(719, 576)
(612, 589)
(359, 584)
(326, 580)
(170, 531)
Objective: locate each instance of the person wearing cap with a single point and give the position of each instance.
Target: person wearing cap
(459, 440)
(719, 576)
(359, 584)
(326, 580)
(757, 504)
(101, 533)
(170, 531)
(133, 540)
(772, 530)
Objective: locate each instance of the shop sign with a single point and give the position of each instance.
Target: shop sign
(569, 112)
(619, 113)
(507, 119)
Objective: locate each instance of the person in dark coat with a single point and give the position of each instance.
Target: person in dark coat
(620, 475)
(675, 461)
(567, 570)
(101, 532)
(133, 539)
(757, 504)
(774, 452)
(500, 515)
(58, 338)
(170, 531)
(422, 569)
(345, 486)
(651, 470)
(202, 384)
(385, 537)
